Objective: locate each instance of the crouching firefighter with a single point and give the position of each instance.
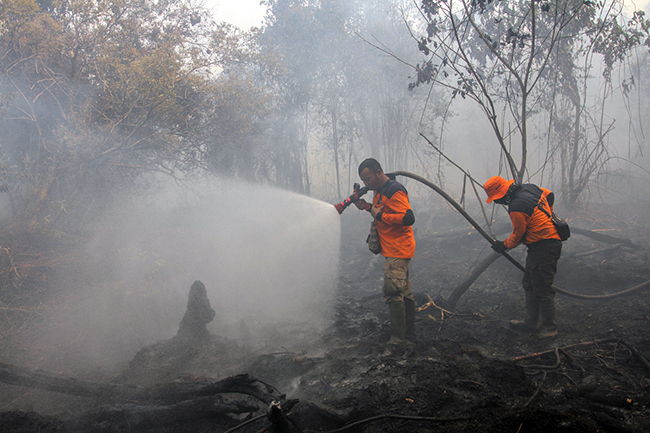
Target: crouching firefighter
(393, 218)
(530, 207)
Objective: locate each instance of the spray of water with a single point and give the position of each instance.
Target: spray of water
(267, 257)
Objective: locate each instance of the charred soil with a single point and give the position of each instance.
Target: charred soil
(467, 370)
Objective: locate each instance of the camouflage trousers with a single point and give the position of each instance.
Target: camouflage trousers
(396, 286)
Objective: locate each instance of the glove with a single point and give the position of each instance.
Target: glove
(499, 246)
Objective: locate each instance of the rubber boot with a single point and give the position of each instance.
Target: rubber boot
(409, 314)
(397, 322)
(531, 318)
(549, 327)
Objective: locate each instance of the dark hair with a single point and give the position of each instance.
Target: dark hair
(370, 163)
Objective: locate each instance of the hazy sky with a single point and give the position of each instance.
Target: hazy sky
(242, 13)
(248, 13)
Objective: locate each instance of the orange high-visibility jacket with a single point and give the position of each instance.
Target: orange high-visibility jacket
(529, 223)
(394, 221)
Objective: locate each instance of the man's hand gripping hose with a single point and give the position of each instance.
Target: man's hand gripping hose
(356, 195)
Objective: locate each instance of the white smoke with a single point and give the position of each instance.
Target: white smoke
(266, 256)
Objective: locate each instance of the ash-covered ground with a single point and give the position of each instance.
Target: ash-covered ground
(467, 371)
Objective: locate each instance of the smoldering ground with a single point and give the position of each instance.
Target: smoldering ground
(467, 372)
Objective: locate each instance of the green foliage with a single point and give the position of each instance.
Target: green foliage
(615, 40)
(97, 94)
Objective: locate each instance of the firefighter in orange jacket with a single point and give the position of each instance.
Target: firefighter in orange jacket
(534, 228)
(393, 218)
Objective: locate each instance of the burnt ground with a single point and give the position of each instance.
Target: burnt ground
(467, 371)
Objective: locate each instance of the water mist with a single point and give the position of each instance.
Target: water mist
(267, 257)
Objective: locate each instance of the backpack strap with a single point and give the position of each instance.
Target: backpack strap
(540, 207)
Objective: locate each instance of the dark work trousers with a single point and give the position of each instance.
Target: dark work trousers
(541, 267)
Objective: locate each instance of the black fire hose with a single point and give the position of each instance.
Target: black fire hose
(483, 233)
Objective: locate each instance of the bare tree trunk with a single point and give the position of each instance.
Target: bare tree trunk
(459, 291)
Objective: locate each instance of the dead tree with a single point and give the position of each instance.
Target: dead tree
(199, 313)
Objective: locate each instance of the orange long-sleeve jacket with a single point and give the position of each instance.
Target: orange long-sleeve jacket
(529, 223)
(394, 221)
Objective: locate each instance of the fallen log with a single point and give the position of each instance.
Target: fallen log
(166, 393)
(239, 384)
(596, 251)
(133, 416)
(19, 376)
(607, 239)
(453, 298)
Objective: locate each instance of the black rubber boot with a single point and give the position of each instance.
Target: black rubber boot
(549, 327)
(531, 319)
(409, 314)
(397, 322)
